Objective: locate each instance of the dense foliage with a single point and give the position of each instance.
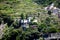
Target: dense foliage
(16, 9)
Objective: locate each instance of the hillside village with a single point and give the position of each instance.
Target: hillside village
(29, 20)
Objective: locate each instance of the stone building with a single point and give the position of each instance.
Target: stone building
(53, 9)
(53, 36)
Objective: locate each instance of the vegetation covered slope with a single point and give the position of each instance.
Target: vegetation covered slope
(13, 8)
(16, 7)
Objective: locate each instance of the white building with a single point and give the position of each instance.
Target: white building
(29, 19)
(49, 7)
(55, 11)
(35, 20)
(24, 23)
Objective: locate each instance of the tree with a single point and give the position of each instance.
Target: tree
(42, 27)
(47, 21)
(1, 20)
(16, 24)
(49, 12)
(11, 34)
(44, 2)
(57, 3)
(22, 16)
(52, 30)
(7, 19)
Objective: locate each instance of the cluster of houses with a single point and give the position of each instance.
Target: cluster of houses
(26, 23)
(53, 9)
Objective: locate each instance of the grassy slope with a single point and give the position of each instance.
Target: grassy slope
(19, 6)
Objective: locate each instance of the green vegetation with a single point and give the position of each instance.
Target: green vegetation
(16, 9)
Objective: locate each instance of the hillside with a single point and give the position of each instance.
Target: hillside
(28, 19)
(18, 7)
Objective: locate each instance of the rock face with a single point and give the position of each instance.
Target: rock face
(2, 26)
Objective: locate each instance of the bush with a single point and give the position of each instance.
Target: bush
(52, 30)
(10, 33)
(7, 19)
